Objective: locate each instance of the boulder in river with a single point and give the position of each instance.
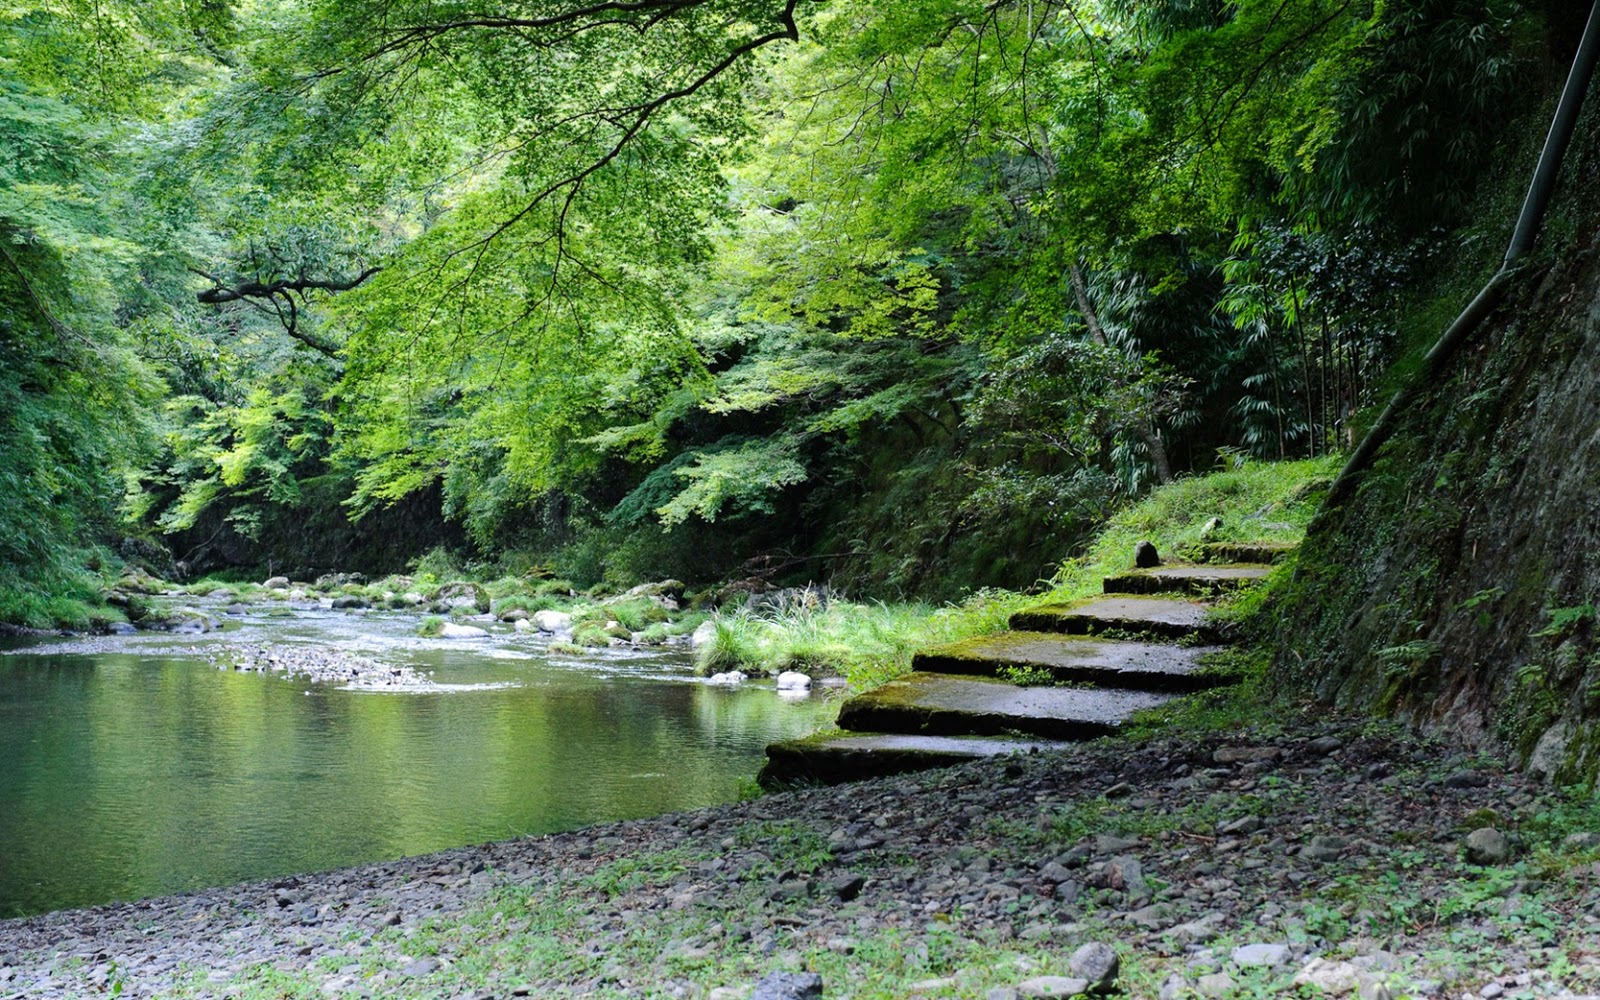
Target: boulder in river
(703, 634)
(552, 621)
(450, 630)
(276, 583)
(463, 594)
(793, 680)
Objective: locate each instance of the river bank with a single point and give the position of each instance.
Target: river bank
(1318, 852)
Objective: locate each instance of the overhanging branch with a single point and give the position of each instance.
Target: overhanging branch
(280, 297)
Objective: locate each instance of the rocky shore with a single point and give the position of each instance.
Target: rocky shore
(1307, 860)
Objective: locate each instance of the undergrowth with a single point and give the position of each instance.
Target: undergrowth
(870, 644)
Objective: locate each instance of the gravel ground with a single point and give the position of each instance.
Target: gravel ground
(1309, 860)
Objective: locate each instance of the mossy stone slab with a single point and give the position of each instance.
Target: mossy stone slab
(1139, 615)
(1074, 659)
(1244, 552)
(835, 758)
(1185, 579)
(946, 705)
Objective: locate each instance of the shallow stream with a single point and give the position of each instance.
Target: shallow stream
(133, 766)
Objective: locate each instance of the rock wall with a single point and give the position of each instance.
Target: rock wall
(1457, 587)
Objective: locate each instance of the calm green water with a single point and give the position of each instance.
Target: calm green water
(130, 766)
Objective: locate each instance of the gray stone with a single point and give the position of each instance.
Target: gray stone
(1154, 917)
(1122, 873)
(1054, 873)
(450, 630)
(1325, 745)
(793, 680)
(1217, 984)
(1325, 848)
(1176, 986)
(1333, 978)
(276, 582)
(1096, 962)
(350, 601)
(1487, 846)
(1581, 842)
(1107, 843)
(703, 634)
(846, 885)
(789, 986)
(1241, 826)
(421, 967)
(120, 628)
(1466, 779)
(1053, 986)
(1550, 751)
(1145, 556)
(1198, 931)
(1258, 955)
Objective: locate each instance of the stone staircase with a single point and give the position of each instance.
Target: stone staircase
(1088, 668)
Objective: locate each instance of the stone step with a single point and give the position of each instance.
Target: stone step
(946, 705)
(1185, 579)
(834, 758)
(1172, 619)
(1224, 553)
(1075, 659)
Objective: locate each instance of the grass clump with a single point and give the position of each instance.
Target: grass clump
(430, 626)
(505, 605)
(867, 644)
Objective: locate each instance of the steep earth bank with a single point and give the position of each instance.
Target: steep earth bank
(1458, 585)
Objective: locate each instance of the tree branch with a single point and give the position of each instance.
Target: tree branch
(270, 293)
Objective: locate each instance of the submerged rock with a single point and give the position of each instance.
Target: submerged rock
(450, 630)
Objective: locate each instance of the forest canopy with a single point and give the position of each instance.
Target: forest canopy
(907, 296)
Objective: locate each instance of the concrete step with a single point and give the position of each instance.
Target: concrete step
(946, 705)
(1074, 659)
(834, 758)
(1185, 579)
(1172, 619)
(1224, 553)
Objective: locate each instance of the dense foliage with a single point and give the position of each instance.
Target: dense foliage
(908, 296)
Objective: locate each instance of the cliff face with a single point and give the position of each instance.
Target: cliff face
(1457, 586)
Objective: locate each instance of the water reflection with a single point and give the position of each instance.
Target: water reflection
(133, 767)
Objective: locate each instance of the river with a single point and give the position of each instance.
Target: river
(132, 766)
